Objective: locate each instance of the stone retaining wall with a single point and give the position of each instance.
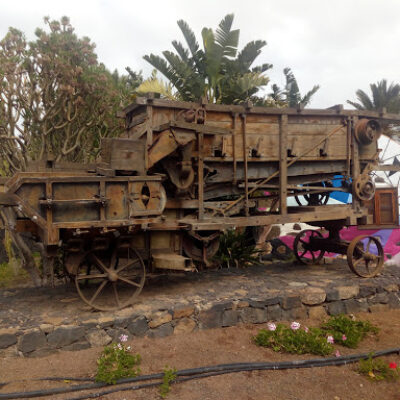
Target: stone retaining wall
(314, 302)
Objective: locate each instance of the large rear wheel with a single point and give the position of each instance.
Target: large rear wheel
(110, 278)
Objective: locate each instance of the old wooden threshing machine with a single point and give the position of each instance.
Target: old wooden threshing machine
(184, 172)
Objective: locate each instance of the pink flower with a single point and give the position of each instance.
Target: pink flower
(344, 338)
(337, 353)
(295, 325)
(330, 339)
(262, 208)
(123, 338)
(266, 193)
(306, 330)
(271, 326)
(392, 365)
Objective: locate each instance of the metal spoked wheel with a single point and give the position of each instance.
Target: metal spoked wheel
(301, 247)
(365, 256)
(110, 279)
(314, 199)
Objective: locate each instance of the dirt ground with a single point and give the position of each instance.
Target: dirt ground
(226, 345)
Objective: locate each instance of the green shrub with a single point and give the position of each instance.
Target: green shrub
(378, 369)
(168, 378)
(298, 341)
(347, 332)
(116, 363)
(9, 275)
(236, 250)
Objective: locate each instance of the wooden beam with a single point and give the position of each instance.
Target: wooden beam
(246, 180)
(283, 165)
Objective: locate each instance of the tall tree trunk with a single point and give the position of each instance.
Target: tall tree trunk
(28, 262)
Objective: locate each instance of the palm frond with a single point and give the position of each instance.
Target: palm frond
(161, 65)
(189, 37)
(357, 106)
(183, 53)
(249, 53)
(226, 38)
(307, 97)
(365, 100)
(262, 68)
(277, 93)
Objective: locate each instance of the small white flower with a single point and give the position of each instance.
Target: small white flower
(119, 346)
(123, 338)
(295, 325)
(271, 326)
(128, 348)
(330, 339)
(306, 330)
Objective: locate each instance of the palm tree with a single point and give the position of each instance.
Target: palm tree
(216, 71)
(290, 96)
(382, 97)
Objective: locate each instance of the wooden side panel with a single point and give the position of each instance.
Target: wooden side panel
(304, 132)
(32, 193)
(117, 200)
(75, 211)
(162, 116)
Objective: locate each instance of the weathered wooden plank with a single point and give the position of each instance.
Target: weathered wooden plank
(265, 110)
(283, 138)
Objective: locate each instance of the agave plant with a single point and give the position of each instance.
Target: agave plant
(236, 250)
(217, 71)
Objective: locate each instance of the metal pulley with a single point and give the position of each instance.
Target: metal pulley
(367, 131)
(364, 187)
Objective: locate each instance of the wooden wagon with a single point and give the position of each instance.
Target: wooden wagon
(182, 173)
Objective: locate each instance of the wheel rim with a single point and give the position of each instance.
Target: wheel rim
(111, 280)
(365, 256)
(300, 247)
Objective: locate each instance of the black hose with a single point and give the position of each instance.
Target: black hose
(201, 372)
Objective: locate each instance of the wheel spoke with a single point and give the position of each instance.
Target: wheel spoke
(113, 261)
(99, 263)
(367, 266)
(91, 276)
(114, 285)
(99, 289)
(129, 281)
(128, 264)
(358, 261)
(303, 253)
(369, 244)
(312, 255)
(302, 241)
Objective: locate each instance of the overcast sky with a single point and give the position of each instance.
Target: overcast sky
(342, 45)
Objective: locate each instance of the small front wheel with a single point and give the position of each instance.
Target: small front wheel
(303, 250)
(365, 256)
